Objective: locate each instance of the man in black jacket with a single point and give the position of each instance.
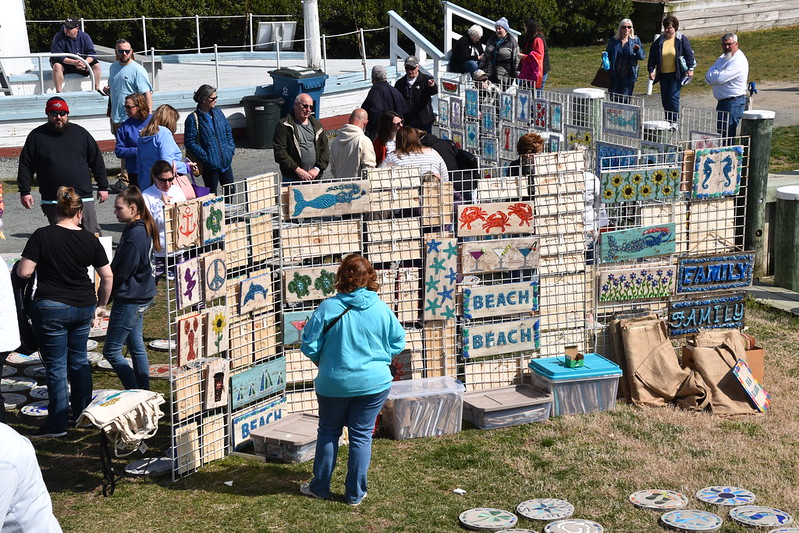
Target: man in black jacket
(382, 97)
(60, 153)
(417, 88)
(300, 144)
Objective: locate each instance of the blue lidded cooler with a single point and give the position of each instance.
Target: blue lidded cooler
(591, 387)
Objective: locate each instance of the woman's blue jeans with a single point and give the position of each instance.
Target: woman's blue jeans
(212, 178)
(470, 65)
(63, 331)
(670, 86)
(125, 329)
(359, 414)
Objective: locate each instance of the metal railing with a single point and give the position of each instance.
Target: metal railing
(42, 55)
(450, 35)
(422, 47)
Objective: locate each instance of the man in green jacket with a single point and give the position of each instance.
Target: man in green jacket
(300, 144)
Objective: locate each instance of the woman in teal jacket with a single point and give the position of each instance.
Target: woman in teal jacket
(352, 338)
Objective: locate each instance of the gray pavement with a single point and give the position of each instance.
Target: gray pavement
(19, 223)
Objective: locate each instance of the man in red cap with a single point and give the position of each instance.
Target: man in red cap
(62, 154)
(72, 40)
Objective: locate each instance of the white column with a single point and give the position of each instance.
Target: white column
(313, 39)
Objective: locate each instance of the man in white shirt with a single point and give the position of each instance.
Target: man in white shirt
(728, 77)
(352, 151)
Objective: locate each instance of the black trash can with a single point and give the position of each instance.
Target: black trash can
(263, 114)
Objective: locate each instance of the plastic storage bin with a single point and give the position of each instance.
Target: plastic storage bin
(289, 440)
(423, 408)
(506, 406)
(591, 387)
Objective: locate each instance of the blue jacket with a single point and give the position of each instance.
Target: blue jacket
(614, 48)
(683, 50)
(154, 148)
(353, 356)
(209, 137)
(134, 278)
(81, 45)
(127, 140)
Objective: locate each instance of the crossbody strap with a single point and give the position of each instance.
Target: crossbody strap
(333, 322)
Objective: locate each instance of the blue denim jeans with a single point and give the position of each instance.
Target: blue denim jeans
(62, 331)
(125, 329)
(735, 107)
(212, 178)
(620, 88)
(670, 85)
(470, 65)
(359, 414)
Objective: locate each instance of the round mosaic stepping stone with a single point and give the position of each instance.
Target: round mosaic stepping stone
(785, 530)
(760, 516)
(658, 499)
(20, 359)
(12, 400)
(17, 384)
(152, 466)
(485, 518)
(8, 371)
(36, 372)
(545, 509)
(94, 358)
(515, 530)
(35, 409)
(724, 495)
(91, 344)
(159, 371)
(39, 392)
(162, 345)
(574, 525)
(105, 365)
(691, 520)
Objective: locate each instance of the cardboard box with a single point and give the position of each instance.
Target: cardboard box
(757, 363)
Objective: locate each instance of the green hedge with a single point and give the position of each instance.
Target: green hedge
(566, 22)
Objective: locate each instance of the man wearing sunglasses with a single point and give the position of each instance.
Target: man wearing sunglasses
(62, 154)
(125, 77)
(72, 40)
(418, 89)
(300, 144)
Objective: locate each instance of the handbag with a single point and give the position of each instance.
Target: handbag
(190, 189)
(601, 78)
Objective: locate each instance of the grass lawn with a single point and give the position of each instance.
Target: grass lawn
(594, 461)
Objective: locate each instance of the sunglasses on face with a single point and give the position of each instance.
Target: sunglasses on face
(306, 106)
(165, 180)
(627, 27)
(121, 51)
(134, 106)
(58, 113)
(213, 98)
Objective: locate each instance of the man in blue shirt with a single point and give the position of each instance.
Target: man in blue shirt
(71, 40)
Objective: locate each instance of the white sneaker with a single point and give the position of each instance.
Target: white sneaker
(305, 488)
(356, 504)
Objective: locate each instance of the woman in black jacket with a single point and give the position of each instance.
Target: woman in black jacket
(468, 51)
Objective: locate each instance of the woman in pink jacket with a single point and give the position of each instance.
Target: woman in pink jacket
(531, 56)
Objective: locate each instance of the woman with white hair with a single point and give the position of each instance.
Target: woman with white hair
(468, 51)
(624, 51)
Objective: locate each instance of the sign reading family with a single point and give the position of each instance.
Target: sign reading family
(498, 300)
(690, 316)
(505, 337)
(714, 273)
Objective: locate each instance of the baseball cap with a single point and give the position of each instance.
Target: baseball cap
(56, 103)
(411, 62)
(71, 22)
(479, 75)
